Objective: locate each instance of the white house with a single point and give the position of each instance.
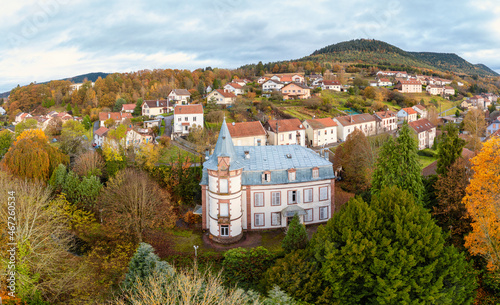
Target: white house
(135, 137)
(320, 132)
(99, 135)
(386, 120)
(2, 111)
(221, 97)
(21, 117)
(409, 86)
(407, 114)
(179, 97)
(272, 85)
(285, 132)
(235, 88)
(426, 132)
(262, 80)
(383, 82)
(247, 133)
(331, 85)
(248, 188)
(186, 117)
(347, 124)
(153, 108)
(421, 110)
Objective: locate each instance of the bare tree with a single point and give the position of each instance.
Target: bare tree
(475, 125)
(89, 163)
(133, 203)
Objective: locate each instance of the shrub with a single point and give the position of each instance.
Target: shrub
(427, 153)
(296, 236)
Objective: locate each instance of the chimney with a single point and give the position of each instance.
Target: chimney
(327, 155)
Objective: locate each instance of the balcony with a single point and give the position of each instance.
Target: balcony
(223, 220)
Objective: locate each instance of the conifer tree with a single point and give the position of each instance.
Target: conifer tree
(449, 148)
(398, 165)
(296, 236)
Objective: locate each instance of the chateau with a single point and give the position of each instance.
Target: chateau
(263, 187)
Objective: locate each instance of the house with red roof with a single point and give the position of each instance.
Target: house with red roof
(407, 114)
(222, 97)
(118, 117)
(386, 120)
(235, 88)
(21, 117)
(285, 132)
(421, 110)
(426, 132)
(129, 108)
(320, 132)
(99, 135)
(247, 133)
(187, 117)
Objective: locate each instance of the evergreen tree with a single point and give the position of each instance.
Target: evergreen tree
(387, 252)
(296, 236)
(144, 264)
(138, 107)
(87, 123)
(398, 165)
(449, 148)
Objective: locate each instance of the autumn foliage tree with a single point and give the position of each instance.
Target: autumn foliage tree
(483, 204)
(475, 125)
(132, 202)
(355, 157)
(32, 157)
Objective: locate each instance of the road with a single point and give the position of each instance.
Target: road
(447, 110)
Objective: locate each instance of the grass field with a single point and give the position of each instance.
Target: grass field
(426, 161)
(172, 152)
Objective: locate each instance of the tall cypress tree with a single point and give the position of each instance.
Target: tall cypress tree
(398, 165)
(449, 148)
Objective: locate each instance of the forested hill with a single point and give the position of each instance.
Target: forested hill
(379, 53)
(75, 79)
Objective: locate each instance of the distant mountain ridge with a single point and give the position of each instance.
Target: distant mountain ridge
(93, 76)
(375, 52)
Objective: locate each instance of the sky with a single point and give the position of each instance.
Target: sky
(44, 40)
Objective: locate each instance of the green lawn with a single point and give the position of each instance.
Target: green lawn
(426, 161)
(172, 152)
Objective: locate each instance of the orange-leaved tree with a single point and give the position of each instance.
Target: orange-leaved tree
(31, 156)
(483, 204)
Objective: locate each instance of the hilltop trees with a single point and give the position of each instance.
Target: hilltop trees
(398, 165)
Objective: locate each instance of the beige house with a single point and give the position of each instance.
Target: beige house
(295, 91)
(222, 97)
(347, 124)
(179, 97)
(152, 108)
(247, 133)
(320, 132)
(421, 110)
(407, 114)
(409, 86)
(247, 188)
(426, 133)
(386, 120)
(285, 132)
(440, 90)
(128, 108)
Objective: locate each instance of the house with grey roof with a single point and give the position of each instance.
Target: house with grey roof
(248, 188)
(179, 97)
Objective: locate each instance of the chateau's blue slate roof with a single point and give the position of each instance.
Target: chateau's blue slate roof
(277, 159)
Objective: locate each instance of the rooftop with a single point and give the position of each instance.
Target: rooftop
(189, 109)
(321, 123)
(284, 125)
(421, 125)
(246, 129)
(355, 119)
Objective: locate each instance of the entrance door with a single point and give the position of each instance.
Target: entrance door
(288, 220)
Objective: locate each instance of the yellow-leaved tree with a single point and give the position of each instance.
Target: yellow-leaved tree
(483, 204)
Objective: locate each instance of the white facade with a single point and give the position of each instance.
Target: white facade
(236, 89)
(297, 137)
(179, 98)
(272, 85)
(221, 97)
(184, 122)
(320, 135)
(347, 124)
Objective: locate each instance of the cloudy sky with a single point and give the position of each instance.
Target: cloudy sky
(52, 39)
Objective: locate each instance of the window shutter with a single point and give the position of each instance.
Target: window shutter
(290, 197)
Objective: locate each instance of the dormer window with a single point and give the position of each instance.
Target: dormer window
(266, 176)
(315, 173)
(291, 174)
